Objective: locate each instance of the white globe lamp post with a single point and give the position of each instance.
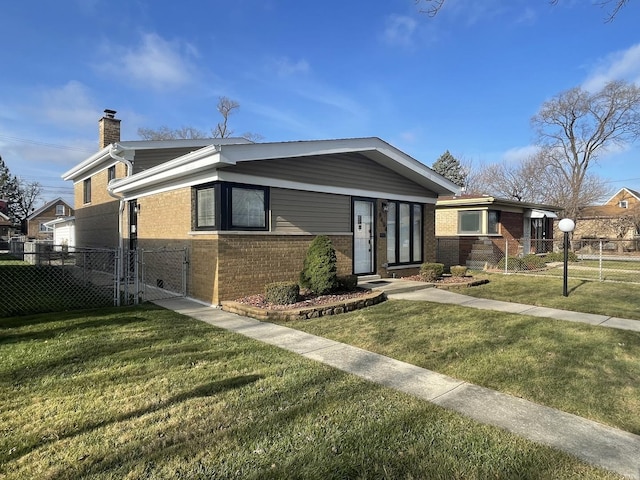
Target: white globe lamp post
(566, 225)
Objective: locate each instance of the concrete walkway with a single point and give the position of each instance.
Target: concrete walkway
(408, 290)
(610, 448)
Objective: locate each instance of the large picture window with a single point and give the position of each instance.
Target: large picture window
(248, 208)
(470, 222)
(224, 206)
(404, 233)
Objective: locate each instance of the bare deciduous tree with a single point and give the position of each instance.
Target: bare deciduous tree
(576, 127)
(225, 107)
(29, 193)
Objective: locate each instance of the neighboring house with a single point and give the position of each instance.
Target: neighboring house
(485, 226)
(36, 227)
(6, 230)
(64, 231)
(617, 218)
(247, 212)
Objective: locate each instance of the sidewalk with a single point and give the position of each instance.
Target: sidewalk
(610, 448)
(408, 290)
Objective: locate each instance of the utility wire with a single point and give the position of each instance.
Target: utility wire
(45, 144)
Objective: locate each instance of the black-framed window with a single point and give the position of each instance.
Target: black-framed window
(86, 190)
(111, 173)
(405, 233)
(231, 206)
(206, 207)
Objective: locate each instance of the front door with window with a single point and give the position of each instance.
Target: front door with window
(363, 237)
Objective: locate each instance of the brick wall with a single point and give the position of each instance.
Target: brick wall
(165, 215)
(446, 222)
(245, 263)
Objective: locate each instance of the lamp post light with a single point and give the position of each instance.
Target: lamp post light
(566, 225)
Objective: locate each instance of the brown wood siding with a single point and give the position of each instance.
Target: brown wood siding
(351, 170)
(145, 159)
(295, 211)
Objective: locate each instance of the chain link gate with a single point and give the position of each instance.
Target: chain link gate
(152, 275)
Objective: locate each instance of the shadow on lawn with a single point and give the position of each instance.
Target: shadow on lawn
(204, 390)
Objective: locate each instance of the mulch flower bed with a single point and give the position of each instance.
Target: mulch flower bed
(306, 299)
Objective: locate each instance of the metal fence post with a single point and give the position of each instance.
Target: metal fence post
(138, 268)
(506, 256)
(600, 261)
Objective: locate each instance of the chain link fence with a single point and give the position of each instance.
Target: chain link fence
(616, 260)
(40, 277)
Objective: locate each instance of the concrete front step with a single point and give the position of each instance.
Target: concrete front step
(392, 285)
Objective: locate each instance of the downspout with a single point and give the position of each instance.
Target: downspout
(120, 266)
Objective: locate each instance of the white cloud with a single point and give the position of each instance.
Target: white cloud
(400, 30)
(285, 67)
(156, 63)
(68, 107)
(621, 65)
(518, 154)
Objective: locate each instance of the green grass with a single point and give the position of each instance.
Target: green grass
(593, 372)
(144, 393)
(612, 299)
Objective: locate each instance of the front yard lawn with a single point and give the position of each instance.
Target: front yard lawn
(144, 393)
(593, 372)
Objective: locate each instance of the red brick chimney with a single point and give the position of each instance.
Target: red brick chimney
(108, 129)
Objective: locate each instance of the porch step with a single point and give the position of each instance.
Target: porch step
(368, 278)
(476, 264)
(395, 285)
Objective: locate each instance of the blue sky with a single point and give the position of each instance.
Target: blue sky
(467, 80)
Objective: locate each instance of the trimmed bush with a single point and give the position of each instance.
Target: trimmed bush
(430, 272)
(348, 283)
(458, 270)
(559, 257)
(319, 272)
(281, 293)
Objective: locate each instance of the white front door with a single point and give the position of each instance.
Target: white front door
(363, 237)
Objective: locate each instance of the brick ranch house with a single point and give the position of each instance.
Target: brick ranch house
(476, 228)
(247, 212)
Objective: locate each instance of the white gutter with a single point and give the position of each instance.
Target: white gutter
(190, 163)
(129, 165)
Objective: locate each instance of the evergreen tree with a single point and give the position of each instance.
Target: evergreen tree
(450, 168)
(9, 191)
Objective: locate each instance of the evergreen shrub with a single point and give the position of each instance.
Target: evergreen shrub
(348, 283)
(430, 272)
(458, 270)
(281, 293)
(319, 272)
